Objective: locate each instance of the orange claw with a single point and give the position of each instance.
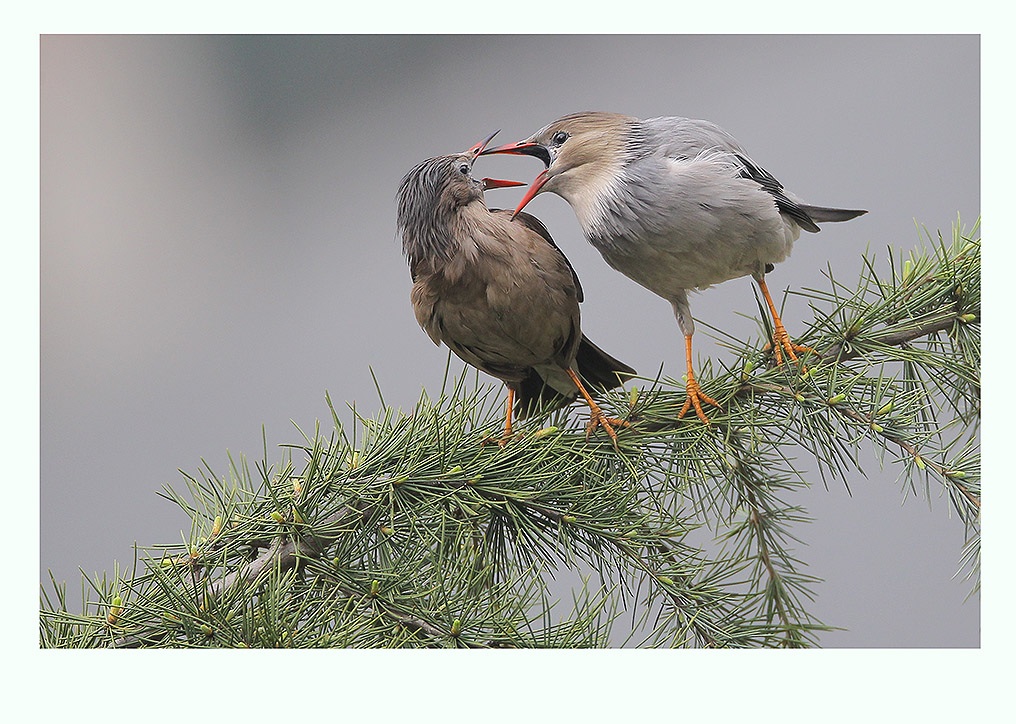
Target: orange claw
(598, 419)
(695, 398)
(781, 340)
(596, 416)
(695, 394)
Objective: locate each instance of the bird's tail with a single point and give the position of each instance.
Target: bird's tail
(597, 369)
(820, 214)
(535, 394)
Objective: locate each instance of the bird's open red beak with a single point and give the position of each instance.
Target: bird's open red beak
(534, 188)
(497, 183)
(526, 148)
(477, 149)
(522, 148)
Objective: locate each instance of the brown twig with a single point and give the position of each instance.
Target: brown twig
(931, 324)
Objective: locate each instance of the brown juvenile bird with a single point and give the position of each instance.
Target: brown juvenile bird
(674, 204)
(494, 287)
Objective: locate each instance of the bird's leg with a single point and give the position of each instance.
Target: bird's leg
(781, 340)
(695, 395)
(596, 416)
(507, 423)
(508, 416)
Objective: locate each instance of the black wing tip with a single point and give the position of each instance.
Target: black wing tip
(822, 214)
(599, 369)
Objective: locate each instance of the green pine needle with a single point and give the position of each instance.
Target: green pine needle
(406, 530)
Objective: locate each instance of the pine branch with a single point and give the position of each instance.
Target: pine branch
(405, 530)
(899, 337)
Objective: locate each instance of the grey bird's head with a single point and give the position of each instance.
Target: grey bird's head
(583, 154)
(430, 197)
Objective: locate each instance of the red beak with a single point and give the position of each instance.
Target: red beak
(526, 148)
(496, 183)
(522, 148)
(519, 147)
(534, 188)
(478, 148)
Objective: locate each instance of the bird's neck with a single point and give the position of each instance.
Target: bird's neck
(597, 180)
(583, 187)
(448, 245)
(595, 196)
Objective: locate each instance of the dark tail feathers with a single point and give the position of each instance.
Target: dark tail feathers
(597, 369)
(820, 214)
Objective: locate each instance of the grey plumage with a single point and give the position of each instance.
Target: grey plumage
(496, 290)
(675, 204)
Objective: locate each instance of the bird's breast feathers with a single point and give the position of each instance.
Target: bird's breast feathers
(498, 290)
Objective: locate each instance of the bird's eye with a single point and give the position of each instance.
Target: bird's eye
(464, 168)
(559, 138)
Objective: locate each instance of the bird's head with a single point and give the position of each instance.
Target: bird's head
(433, 192)
(582, 154)
(441, 184)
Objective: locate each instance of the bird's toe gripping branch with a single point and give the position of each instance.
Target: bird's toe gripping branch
(695, 398)
(781, 343)
(781, 339)
(596, 416)
(695, 395)
(598, 419)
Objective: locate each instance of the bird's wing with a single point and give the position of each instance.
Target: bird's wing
(784, 203)
(531, 222)
(683, 138)
(686, 138)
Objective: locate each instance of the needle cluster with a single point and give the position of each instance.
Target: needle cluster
(404, 530)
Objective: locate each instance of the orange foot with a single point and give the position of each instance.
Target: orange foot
(598, 419)
(781, 340)
(781, 343)
(695, 399)
(596, 416)
(508, 435)
(501, 441)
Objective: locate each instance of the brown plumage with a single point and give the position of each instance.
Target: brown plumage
(497, 291)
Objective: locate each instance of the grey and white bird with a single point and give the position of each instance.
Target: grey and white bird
(495, 288)
(674, 204)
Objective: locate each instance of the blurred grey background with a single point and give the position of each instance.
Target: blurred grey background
(218, 249)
